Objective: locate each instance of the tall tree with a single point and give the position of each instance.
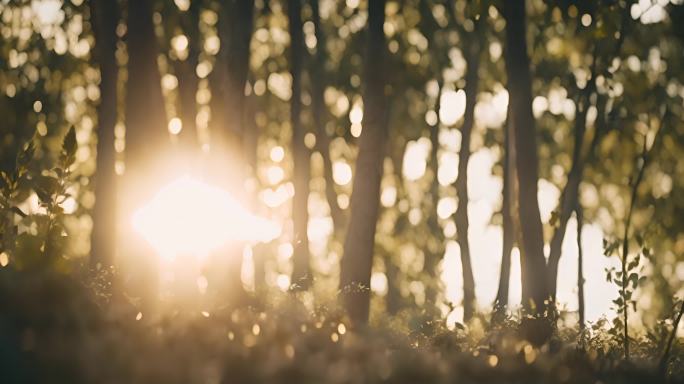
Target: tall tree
(105, 17)
(236, 23)
(461, 184)
(236, 34)
(356, 264)
(569, 196)
(186, 72)
(320, 118)
(533, 263)
(300, 153)
(508, 201)
(146, 134)
(145, 114)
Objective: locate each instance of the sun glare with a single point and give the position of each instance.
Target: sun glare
(191, 217)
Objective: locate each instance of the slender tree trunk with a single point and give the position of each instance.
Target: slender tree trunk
(569, 197)
(357, 260)
(300, 153)
(187, 76)
(235, 30)
(146, 139)
(393, 301)
(501, 302)
(570, 192)
(579, 214)
(319, 117)
(236, 34)
(145, 114)
(461, 215)
(534, 284)
(105, 16)
(435, 249)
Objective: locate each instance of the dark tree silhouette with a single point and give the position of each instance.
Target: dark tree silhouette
(508, 228)
(569, 196)
(146, 135)
(461, 184)
(105, 17)
(533, 263)
(356, 263)
(186, 72)
(320, 118)
(300, 153)
(235, 25)
(145, 115)
(236, 33)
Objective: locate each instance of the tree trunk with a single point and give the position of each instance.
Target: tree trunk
(147, 140)
(461, 215)
(228, 142)
(186, 71)
(356, 263)
(145, 114)
(508, 197)
(105, 16)
(579, 214)
(236, 34)
(319, 118)
(534, 283)
(570, 192)
(394, 300)
(301, 170)
(569, 197)
(435, 247)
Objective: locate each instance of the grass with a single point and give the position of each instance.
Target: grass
(56, 328)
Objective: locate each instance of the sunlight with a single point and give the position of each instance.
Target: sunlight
(190, 217)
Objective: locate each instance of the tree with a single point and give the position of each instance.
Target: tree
(319, 118)
(533, 263)
(300, 153)
(146, 135)
(105, 16)
(357, 260)
(236, 33)
(461, 184)
(145, 114)
(508, 227)
(235, 30)
(570, 194)
(186, 72)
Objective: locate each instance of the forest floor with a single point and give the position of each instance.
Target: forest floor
(55, 329)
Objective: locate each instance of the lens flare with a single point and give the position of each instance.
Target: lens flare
(191, 217)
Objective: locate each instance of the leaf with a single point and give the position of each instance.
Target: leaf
(69, 147)
(45, 187)
(26, 155)
(634, 279)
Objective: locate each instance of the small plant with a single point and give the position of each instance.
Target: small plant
(51, 188)
(10, 192)
(627, 279)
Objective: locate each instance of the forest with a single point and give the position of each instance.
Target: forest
(341, 191)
